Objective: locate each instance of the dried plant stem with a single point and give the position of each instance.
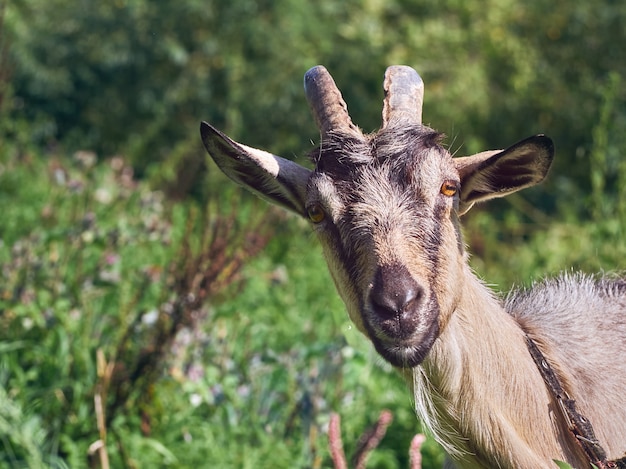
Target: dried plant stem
(211, 255)
(415, 454)
(335, 443)
(368, 442)
(104, 370)
(371, 439)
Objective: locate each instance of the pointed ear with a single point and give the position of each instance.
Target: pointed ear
(271, 177)
(498, 173)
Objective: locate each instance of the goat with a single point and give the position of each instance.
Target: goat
(386, 210)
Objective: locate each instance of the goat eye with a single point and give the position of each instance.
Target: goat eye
(315, 213)
(449, 188)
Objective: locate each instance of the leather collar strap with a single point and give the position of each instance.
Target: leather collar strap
(578, 425)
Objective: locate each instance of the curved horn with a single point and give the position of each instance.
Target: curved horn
(404, 95)
(329, 109)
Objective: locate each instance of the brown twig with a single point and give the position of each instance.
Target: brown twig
(371, 439)
(415, 454)
(211, 254)
(335, 443)
(104, 371)
(368, 442)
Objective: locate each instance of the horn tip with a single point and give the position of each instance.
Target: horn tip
(403, 73)
(314, 74)
(404, 95)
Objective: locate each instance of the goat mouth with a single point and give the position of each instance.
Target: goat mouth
(405, 353)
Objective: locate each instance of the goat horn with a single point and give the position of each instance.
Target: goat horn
(328, 107)
(404, 95)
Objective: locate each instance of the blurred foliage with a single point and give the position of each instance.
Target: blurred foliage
(115, 280)
(136, 77)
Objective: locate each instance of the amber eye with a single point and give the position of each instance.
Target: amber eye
(449, 188)
(315, 213)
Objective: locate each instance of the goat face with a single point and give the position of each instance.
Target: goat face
(386, 207)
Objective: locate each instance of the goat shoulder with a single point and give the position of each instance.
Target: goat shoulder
(579, 321)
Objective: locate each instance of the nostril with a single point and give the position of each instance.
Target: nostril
(394, 291)
(394, 301)
(413, 298)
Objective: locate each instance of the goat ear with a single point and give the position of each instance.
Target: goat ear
(498, 173)
(271, 177)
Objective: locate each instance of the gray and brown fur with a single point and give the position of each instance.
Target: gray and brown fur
(386, 209)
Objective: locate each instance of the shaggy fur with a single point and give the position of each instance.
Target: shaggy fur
(479, 391)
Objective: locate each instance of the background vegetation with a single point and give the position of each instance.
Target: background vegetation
(151, 315)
